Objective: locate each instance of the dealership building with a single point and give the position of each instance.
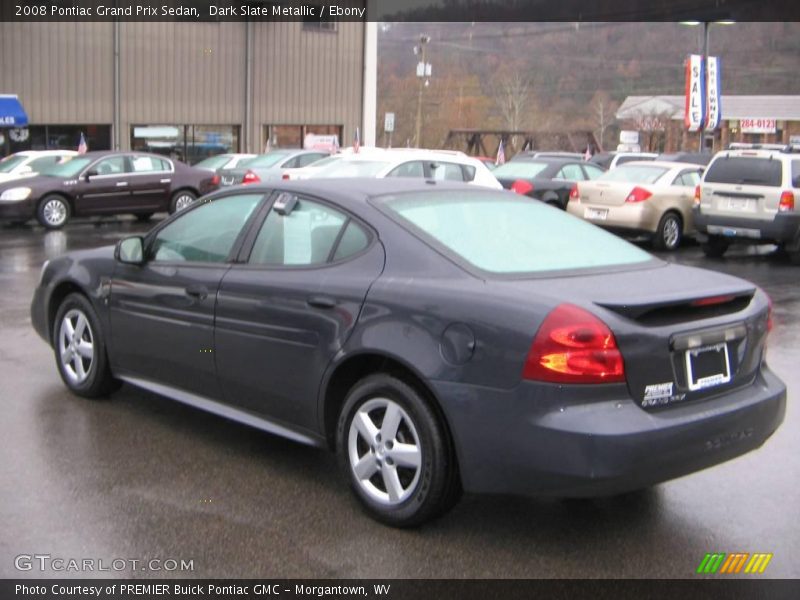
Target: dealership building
(749, 119)
(187, 89)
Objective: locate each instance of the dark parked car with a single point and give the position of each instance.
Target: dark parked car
(697, 158)
(439, 336)
(547, 179)
(103, 183)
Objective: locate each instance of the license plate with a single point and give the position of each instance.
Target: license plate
(740, 204)
(227, 181)
(708, 366)
(595, 213)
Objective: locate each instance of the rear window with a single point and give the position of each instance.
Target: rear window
(504, 234)
(744, 170)
(264, 160)
(519, 169)
(634, 174)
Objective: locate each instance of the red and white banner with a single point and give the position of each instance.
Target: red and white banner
(758, 125)
(694, 113)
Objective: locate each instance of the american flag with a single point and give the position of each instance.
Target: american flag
(83, 147)
(356, 141)
(501, 155)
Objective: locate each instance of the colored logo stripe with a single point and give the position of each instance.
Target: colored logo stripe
(734, 563)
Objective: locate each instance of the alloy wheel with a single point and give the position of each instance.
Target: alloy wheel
(183, 201)
(384, 451)
(76, 346)
(671, 233)
(54, 212)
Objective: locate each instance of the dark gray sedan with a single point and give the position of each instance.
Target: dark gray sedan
(439, 337)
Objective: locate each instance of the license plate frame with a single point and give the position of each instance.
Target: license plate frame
(740, 204)
(598, 214)
(711, 378)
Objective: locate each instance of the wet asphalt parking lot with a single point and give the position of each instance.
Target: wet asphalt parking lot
(141, 477)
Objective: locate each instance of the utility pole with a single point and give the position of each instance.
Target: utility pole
(423, 71)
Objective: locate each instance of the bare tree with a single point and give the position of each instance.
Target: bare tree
(513, 96)
(603, 110)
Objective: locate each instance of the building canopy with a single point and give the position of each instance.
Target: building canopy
(11, 112)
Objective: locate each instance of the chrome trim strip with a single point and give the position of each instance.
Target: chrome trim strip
(222, 410)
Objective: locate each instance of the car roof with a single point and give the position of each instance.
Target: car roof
(352, 193)
(668, 164)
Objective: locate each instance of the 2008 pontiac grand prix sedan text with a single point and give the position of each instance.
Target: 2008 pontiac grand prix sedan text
(440, 337)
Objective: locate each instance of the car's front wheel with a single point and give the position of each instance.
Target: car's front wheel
(80, 348)
(394, 450)
(53, 211)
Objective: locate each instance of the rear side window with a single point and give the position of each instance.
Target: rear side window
(687, 178)
(796, 173)
(503, 234)
(304, 237)
(571, 173)
(745, 170)
(442, 171)
(409, 169)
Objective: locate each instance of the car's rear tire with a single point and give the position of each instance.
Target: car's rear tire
(80, 349)
(181, 199)
(669, 232)
(400, 486)
(715, 246)
(53, 211)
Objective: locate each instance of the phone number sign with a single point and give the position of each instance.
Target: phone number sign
(758, 125)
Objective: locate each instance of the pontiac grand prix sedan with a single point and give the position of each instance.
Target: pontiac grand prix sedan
(440, 337)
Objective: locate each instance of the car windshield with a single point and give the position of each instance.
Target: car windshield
(214, 162)
(519, 169)
(9, 162)
(70, 167)
(633, 174)
(352, 168)
(504, 234)
(264, 160)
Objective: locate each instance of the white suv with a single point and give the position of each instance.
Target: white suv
(747, 195)
(439, 165)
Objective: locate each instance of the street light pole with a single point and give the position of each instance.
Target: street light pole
(705, 70)
(423, 41)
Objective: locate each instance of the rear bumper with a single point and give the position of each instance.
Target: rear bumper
(783, 228)
(543, 439)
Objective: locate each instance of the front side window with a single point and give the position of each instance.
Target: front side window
(111, 166)
(306, 236)
(206, 233)
(502, 234)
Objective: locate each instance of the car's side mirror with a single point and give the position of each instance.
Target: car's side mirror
(130, 251)
(91, 173)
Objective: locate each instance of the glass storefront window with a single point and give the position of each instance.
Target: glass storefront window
(292, 136)
(186, 143)
(59, 137)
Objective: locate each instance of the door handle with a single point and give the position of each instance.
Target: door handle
(321, 301)
(197, 291)
(165, 180)
(122, 183)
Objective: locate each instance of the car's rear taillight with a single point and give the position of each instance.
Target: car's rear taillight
(697, 195)
(574, 194)
(215, 179)
(574, 346)
(285, 176)
(638, 195)
(521, 186)
(786, 203)
(250, 177)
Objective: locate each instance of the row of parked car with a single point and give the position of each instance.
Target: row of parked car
(745, 193)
